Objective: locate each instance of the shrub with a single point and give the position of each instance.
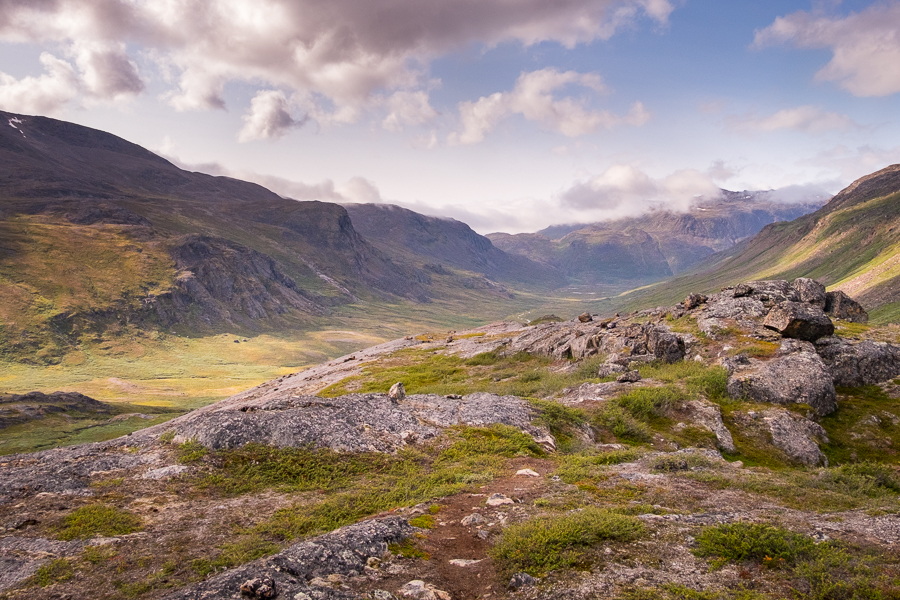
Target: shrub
(547, 543)
(765, 544)
(98, 519)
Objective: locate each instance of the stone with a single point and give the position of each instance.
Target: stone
(528, 473)
(262, 588)
(609, 369)
(629, 377)
(810, 291)
(520, 580)
(841, 306)
(397, 392)
(708, 415)
(665, 345)
(800, 377)
(165, 472)
(796, 436)
(463, 562)
(864, 363)
(419, 590)
(473, 519)
(585, 317)
(498, 500)
(798, 320)
(694, 300)
(770, 291)
(344, 551)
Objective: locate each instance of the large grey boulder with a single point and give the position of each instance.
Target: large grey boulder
(706, 414)
(799, 320)
(355, 422)
(665, 345)
(799, 377)
(769, 292)
(344, 551)
(864, 363)
(796, 436)
(810, 291)
(841, 306)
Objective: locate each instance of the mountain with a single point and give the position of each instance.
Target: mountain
(851, 244)
(656, 245)
(442, 242)
(97, 232)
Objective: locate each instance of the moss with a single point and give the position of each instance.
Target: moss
(423, 522)
(547, 543)
(98, 520)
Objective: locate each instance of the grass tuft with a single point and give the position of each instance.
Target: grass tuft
(548, 543)
(98, 520)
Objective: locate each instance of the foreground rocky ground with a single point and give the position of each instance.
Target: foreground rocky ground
(743, 445)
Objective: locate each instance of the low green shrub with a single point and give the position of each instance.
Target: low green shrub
(98, 520)
(55, 571)
(765, 544)
(547, 543)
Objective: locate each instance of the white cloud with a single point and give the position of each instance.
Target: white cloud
(848, 164)
(720, 171)
(625, 190)
(408, 108)
(807, 119)
(46, 94)
(269, 117)
(340, 55)
(865, 46)
(532, 97)
(360, 190)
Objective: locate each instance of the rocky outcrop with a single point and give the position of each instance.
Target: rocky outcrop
(863, 363)
(707, 415)
(796, 436)
(799, 320)
(345, 552)
(21, 408)
(21, 557)
(810, 291)
(841, 306)
(798, 376)
(355, 422)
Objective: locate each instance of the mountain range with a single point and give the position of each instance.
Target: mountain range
(99, 235)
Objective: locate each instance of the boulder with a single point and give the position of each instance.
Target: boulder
(665, 346)
(585, 317)
(865, 363)
(810, 291)
(769, 292)
(796, 436)
(799, 320)
(629, 377)
(708, 415)
(796, 378)
(397, 392)
(609, 369)
(693, 301)
(841, 306)
(345, 551)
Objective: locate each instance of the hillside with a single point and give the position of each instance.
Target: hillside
(656, 245)
(101, 239)
(707, 450)
(850, 244)
(442, 242)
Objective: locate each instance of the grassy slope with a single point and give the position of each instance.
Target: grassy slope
(852, 247)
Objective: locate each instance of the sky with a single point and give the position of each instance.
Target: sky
(509, 115)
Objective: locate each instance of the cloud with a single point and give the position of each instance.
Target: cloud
(340, 55)
(852, 163)
(269, 117)
(532, 97)
(408, 108)
(720, 171)
(865, 46)
(625, 190)
(817, 192)
(807, 119)
(46, 94)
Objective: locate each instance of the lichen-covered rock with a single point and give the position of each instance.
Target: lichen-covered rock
(21, 557)
(397, 392)
(706, 414)
(344, 551)
(693, 301)
(799, 320)
(864, 363)
(810, 291)
(796, 436)
(796, 378)
(665, 345)
(770, 292)
(608, 369)
(355, 422)
(841, 306)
